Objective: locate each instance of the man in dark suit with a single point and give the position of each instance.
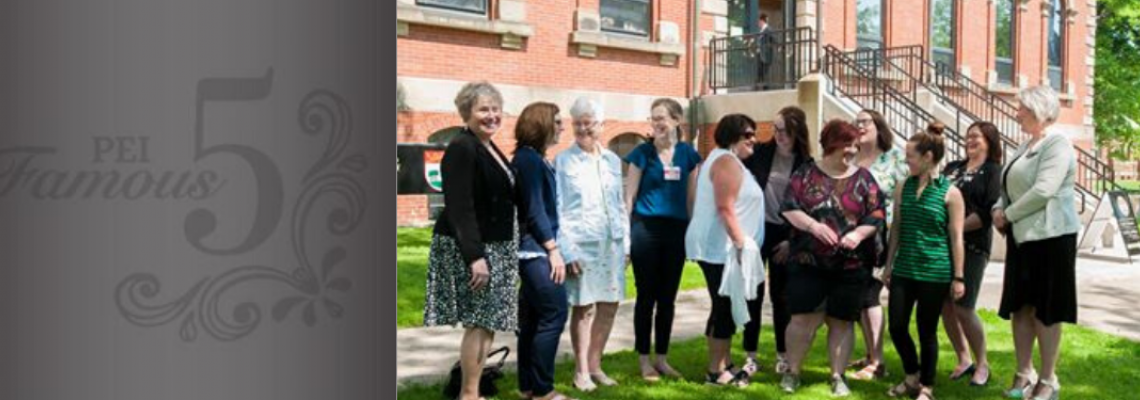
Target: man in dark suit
(764, 44)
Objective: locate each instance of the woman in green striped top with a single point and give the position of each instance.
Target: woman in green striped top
(925, 260)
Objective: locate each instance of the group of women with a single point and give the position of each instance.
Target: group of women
(525, 244)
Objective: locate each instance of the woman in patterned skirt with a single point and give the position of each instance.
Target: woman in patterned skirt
(473, 265)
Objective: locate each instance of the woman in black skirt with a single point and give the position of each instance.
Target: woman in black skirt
(1037, 213)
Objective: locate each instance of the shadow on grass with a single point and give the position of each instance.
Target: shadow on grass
(1093, 366)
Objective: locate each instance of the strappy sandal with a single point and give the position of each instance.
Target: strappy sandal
(925, 394)
(584, 383)
(870, 373)
(904, 390)
(650, 375)
(715, 378)
(1019, 391)
(668, 371)
(1054, 390)
(601, 378)
(859, 364)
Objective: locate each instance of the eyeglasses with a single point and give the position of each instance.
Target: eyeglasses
(749, 135)
(864, 122)
(586, 126)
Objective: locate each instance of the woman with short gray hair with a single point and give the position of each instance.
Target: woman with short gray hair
(473, 264)
(595, 235)
(1037, 214)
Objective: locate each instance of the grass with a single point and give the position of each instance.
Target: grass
(411, 273)
(1093, 366)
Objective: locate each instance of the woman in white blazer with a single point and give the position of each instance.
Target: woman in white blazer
(1037, 213)
(595, 234)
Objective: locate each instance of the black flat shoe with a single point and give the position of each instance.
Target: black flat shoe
(968, 371)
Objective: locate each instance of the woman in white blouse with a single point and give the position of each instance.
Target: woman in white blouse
(595, 237)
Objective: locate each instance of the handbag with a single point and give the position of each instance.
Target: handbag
(491, 373)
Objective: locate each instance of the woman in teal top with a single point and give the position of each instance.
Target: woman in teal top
(659, 192)
(925, 261)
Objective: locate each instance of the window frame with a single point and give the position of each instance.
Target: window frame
(953, 49)
(1056, 73)
(863, 41)
(443, 5)
(648, 19)
(1011, 62)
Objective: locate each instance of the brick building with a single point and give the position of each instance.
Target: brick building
(626, 53)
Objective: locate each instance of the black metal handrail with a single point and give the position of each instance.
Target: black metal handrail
(966, 96)
(862, 83)
(776, 59)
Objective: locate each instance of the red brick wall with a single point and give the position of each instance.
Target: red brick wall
(411, 210)
(547, 59)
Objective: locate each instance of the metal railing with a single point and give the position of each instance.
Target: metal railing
(772, 60)
(967, 98)
(863, 82)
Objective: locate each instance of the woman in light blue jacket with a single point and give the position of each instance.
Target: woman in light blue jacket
(1037, 213)
(595, 234)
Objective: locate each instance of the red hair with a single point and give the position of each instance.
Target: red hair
(837, 135)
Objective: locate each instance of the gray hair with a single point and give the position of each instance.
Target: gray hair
(470, 94)
(585, 106)
(1043, 102)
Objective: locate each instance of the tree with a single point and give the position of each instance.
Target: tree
(1117, 82)
(401, 98)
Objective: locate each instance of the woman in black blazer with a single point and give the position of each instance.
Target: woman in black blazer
(772, 164)
(473, 262)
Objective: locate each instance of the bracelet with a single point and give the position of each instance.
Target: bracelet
(959, 279)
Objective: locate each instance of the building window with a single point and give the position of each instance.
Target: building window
(942, 33)
(626, 16)
(469, 6)
(1056, 46)
(1006, 40)
(869, 24)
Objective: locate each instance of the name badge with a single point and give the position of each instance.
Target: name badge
(672, 173)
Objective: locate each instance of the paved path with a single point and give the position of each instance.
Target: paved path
(1108, 296)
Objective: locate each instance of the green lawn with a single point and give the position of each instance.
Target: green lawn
(1093, 366)
(411, 272)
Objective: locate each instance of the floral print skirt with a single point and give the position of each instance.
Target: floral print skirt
(450, 301)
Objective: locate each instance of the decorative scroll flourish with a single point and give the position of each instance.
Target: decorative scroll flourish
(330, 186)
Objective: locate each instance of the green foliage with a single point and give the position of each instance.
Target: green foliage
(1117, 109)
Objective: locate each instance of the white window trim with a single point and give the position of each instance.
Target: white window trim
(512, 32)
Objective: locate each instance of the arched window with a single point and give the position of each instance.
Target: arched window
(943, 23)
(1057, 46)
(623, 144)
(869, 23)
(1006, 38)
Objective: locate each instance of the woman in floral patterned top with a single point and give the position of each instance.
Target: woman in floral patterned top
(836, 209)
(888, 165)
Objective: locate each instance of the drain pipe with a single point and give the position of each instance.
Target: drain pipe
(694, 63)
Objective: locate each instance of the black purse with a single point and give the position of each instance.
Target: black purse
(491, 373)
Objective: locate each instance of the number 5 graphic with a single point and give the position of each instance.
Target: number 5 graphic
(201, 222)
